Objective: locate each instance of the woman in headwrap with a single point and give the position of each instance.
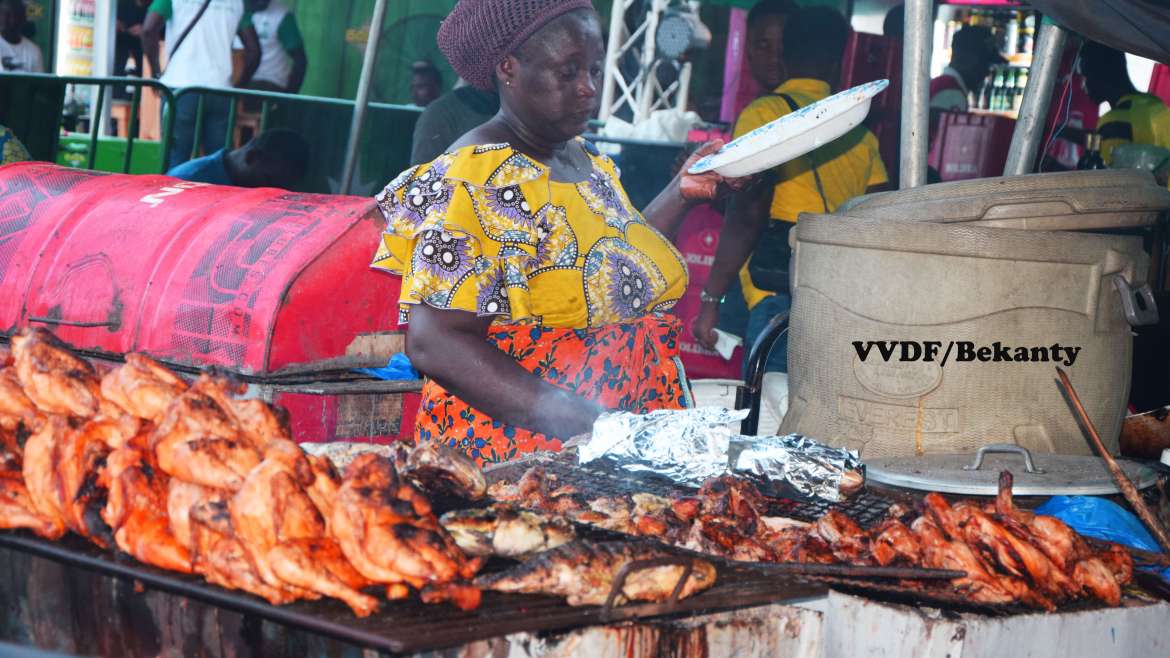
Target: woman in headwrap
(534, 291)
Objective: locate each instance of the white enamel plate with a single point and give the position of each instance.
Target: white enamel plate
(793, 134)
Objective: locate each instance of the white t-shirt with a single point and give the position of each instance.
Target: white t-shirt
(204, 58)
(23, 57)
(278, 33)
(951, 100)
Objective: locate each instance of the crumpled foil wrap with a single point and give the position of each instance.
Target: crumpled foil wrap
(808, 466)
(689, 446)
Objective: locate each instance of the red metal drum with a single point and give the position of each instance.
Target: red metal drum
(265, 283)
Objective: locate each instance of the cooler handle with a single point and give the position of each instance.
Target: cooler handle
(1029, 466)
(112, 324)
(1137, 303)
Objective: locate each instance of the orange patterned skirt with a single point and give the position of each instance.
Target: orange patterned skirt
(631, 366)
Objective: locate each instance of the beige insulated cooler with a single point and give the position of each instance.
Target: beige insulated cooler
(950, 287)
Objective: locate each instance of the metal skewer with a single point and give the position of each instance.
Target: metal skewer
(1127, 488)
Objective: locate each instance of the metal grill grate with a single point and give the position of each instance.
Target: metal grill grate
(600, 478)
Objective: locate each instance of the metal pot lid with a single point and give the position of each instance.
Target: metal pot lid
(978, 475)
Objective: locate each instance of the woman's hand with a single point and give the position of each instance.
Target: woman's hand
(711, 185)
(704, 325)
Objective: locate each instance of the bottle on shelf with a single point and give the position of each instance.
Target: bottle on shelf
(1021, 85)
(984, 100)
(1011, 35)
(1092, 157)
(993, 100)
(1028, 34)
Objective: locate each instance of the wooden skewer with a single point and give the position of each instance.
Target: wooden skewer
(1127, 488)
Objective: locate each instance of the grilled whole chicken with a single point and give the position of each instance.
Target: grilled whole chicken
(506, 531)
(200, 442)
(584, 573)
(80, 455)
(54, 379)
(387, 531)
(142, 387)
(136, 507)
(283, 532)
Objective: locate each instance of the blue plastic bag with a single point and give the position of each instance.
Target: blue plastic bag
(1102, 519)
(398, 368)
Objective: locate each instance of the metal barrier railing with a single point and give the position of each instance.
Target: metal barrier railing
(97, 110)
(266, 100)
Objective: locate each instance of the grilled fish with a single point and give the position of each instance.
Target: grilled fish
(506, 531)
(584, 573)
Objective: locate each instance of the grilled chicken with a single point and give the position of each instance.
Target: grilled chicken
(200, 442)
(17, 510)
(16, 410)
(585, 572)
(136, 507)
(894, 542)
(387, 531)
(54, 379)
(80, 456)
(506, 531)
(283, 532)
(537, 489)
(323, 490)
(1015, 555)
(848, 542)
(142, 387)
(40, 473)
(438, 469)
(981, 584)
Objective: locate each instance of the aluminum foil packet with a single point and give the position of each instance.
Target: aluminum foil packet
(808, 467)
(689, 446)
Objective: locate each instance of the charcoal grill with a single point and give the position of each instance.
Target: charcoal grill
(409, 625)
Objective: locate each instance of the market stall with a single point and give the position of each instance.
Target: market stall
(146, 514)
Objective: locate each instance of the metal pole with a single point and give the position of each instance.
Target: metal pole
(613, 54)
(916, 91)
(363, 95)
(1030, 125)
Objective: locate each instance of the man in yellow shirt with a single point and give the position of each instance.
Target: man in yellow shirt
(1133, 117)
(814, 44)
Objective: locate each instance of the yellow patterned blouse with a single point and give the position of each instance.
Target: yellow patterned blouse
(485, 229)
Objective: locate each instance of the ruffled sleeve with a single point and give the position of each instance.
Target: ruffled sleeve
(463, 231)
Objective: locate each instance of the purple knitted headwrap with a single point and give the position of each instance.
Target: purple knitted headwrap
(478, 34)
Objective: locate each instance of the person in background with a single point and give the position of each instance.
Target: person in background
(426, 83)
(17, 53)
(814, 44)
(765, 58)
(202, 59)
(11, 149)
(128, 36)
(449, 117)
(283, 61)
(274, 158)
(765, 41)
(973, 53)
(1133, 117)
